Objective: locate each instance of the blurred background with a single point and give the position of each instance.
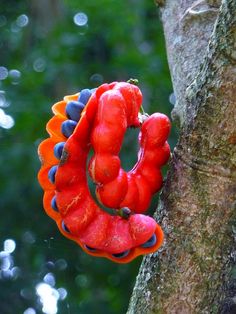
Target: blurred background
(48, 49)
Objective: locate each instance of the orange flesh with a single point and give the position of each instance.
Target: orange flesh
(71, 188)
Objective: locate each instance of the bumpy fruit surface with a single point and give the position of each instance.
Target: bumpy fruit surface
(98, 119)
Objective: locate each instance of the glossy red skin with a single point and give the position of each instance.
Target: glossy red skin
(116, 188)
(87, 222)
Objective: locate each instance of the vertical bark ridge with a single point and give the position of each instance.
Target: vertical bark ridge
(195, 271)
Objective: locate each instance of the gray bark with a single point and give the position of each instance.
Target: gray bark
(195, 271)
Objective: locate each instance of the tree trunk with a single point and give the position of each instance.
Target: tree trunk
(195, 271)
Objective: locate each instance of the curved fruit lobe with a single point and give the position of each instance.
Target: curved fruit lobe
(98, 119)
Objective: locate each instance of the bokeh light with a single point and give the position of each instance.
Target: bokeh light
(3, 73)
(39, 65)
(6, 121)
(80, 19)
(9, 245)
(30, 310)
(15, 76)
(48, 297)
(22, 20)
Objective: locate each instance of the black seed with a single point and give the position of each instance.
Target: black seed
(52, 173)
(151, 242)
(125, 212)
(64, 157)
(64, 227)
(84, 96)
(54, 204)
(90, 248)
(67, 127)
(58, 148)
(74, 109)
(122, 254)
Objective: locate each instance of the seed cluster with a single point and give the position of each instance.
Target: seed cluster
(98, 119)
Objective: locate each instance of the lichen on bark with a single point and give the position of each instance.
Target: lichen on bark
(195, 271)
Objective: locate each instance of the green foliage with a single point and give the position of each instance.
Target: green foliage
(55, 57)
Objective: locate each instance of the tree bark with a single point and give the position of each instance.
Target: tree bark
(195, 271)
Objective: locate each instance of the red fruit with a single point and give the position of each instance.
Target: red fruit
(102, 126)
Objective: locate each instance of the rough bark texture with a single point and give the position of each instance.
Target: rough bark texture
(195, 271)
